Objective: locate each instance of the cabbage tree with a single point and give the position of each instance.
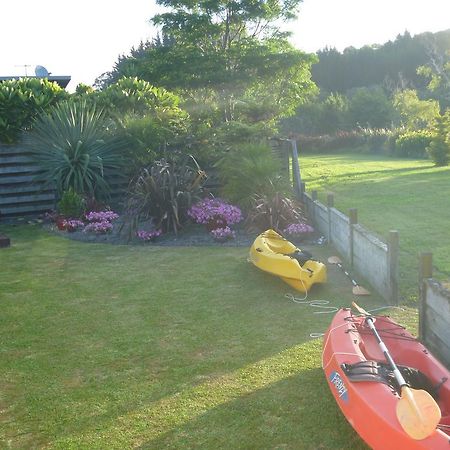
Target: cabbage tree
(76, 149)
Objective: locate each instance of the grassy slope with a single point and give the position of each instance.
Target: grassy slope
(119, 347)
(410, 196)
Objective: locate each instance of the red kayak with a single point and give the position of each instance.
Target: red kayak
(363, 385)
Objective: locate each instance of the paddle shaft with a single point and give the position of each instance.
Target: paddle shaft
(417, 412)
(348, 275)
(357, 289)
(398, 376)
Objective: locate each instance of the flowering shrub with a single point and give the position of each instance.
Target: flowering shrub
(72, 224)
(148, 235)
(101, 216)
(215, 213)
(223, 234)
(98, 227)
(297, 229)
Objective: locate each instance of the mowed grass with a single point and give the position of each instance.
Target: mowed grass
(117, 347)
(410, 196)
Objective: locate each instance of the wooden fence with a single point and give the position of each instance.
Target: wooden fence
(20, 193)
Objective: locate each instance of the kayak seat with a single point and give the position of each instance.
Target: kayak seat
(301, 256)
(365, 371)
(382, 373)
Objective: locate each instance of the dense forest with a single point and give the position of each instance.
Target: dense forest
(393, 64)
(401, 84)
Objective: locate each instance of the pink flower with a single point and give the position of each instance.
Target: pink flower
(101, 216)
(98, 227)
(223, 233)
(148, 235)
(297, 229)
(215, 209)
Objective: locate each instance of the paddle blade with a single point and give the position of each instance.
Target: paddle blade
(418, 413)
(360, 309)
(359, 290)
(334, 260)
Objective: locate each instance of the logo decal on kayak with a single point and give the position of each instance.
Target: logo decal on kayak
(339, 385)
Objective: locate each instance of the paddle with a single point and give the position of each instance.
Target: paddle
(357, 289)
(417, 411)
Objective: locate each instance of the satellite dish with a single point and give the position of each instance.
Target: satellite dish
(41, 72)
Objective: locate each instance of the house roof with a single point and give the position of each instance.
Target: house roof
(61, 80)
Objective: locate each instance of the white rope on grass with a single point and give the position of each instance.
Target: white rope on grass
(322, 304)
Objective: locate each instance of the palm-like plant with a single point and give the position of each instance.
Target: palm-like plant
(250, 170)
(165, 192)
(75, 149)
(275, 210)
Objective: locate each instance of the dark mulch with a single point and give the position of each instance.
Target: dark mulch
(190, 235)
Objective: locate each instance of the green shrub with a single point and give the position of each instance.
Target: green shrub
(370, 107)
(353, 140)
(148, 117)
(249, 170)
(439, 148)
(75, 149)
(413, 144)
(21, 101)
(376, 139)
(71, 204)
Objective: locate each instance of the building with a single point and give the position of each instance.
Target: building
(41, 72)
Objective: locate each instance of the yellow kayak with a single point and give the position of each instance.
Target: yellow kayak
(274, 254)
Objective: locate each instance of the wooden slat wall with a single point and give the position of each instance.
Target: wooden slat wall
(20, 194)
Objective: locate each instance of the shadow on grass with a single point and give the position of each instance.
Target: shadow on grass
(182, 338)
(384, 171)
(277, 401)
(297, 412)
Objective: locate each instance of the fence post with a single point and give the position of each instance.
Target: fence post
(330, 204)
(302, 189)
(312, 214)
(393, 251)
(296, 170)
(353, 220)
(425, 271)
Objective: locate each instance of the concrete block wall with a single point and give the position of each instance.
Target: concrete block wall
(339, 234)
(434, 311)
(371, 257)
(374, 260)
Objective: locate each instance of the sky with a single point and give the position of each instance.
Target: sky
(84, 39)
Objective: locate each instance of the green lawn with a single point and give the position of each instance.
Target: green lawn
(116, 347)
(411, 196)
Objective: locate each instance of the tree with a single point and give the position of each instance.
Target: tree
(229, 55)
(439, 149)
(370, 107)
(415, 113)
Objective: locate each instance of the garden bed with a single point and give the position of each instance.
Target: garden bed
(190, 235)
